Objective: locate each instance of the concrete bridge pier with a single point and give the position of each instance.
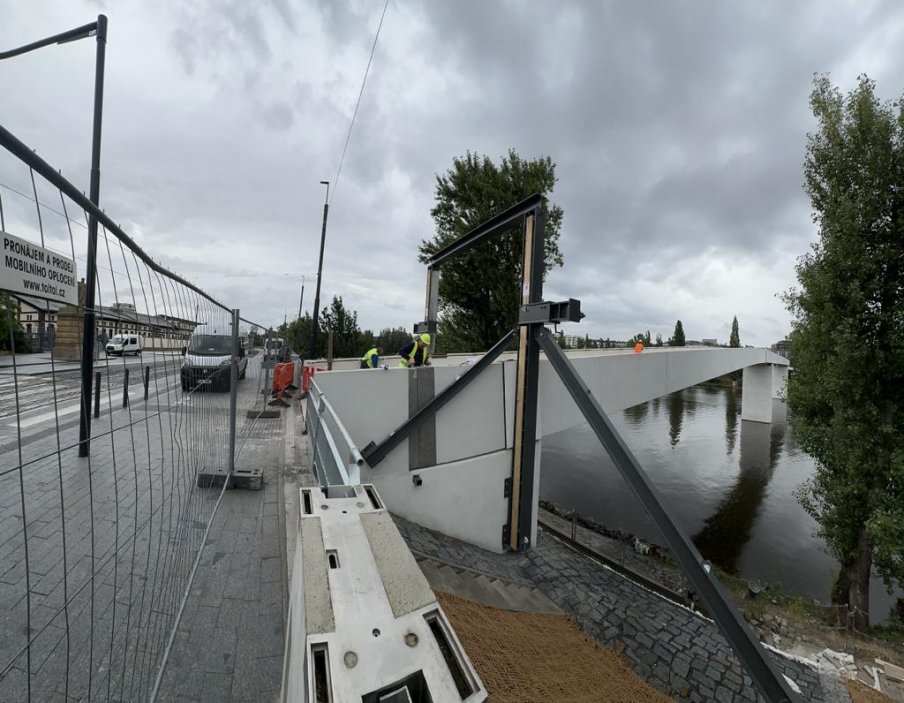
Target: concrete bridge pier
(762, 383)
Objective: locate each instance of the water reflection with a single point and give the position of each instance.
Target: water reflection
(676, 416)
(732, 408)
(729, 528)
(771, 539)
(637, 414)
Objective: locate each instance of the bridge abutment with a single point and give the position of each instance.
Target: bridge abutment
(762, 383)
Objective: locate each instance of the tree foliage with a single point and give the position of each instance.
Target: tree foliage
(479, 291)
(848, 336)
(348, 340)
(344, 326)
(12, 337)
(735, 339)
(677, 338)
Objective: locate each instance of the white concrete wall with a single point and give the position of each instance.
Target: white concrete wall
(462, 495)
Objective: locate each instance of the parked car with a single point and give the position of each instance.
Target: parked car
(124, 344)
(207, 362)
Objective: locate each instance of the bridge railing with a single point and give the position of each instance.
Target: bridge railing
(333, 454)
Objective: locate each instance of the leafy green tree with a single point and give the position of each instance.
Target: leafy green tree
(735, 339)
(658, 340)
(392, 339)
(12, 334)
(344, 326)
(677, 339)
(298, 336)
(480, 290)
(847, 390)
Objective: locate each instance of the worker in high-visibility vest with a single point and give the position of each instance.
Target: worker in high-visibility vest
(371, 359)
(415, 352)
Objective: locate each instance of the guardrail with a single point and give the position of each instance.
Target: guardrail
(334, 456)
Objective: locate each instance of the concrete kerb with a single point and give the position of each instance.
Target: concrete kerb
(295, 466)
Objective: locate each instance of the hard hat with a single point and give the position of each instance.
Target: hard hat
(425, 338)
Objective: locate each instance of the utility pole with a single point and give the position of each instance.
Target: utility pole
(301, 301)
(326, 210)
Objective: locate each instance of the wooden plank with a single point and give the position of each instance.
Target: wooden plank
(519, 386)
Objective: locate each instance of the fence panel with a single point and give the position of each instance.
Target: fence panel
(96, 552)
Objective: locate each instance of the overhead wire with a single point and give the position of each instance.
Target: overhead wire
(358, 104)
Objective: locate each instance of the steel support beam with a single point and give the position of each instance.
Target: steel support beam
(485, 230)
(374, 453)
(765, 675)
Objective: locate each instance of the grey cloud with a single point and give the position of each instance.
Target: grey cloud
(279, 116)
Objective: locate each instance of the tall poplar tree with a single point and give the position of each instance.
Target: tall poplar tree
(846, 394)
(735, 339)
(677, 339)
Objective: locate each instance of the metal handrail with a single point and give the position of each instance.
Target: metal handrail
(350, 472)
(354, 453)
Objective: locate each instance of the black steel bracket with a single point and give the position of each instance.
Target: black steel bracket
(507, 488)
(486, 229)
(374, 453)
(744, 643)
(547, 312)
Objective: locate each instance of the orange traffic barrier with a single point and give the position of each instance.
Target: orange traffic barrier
(282, 381)
(282, 376)
(638, 347)
(306, 375)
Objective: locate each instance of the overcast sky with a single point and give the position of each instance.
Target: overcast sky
(678, 130)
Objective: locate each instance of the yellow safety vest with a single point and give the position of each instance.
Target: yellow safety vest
(368, 357)
(411, 354)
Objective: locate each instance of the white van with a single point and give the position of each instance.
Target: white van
(124, 344)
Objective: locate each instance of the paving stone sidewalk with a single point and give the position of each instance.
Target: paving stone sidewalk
(229, 645)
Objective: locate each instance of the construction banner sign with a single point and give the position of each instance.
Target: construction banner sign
(32, 270)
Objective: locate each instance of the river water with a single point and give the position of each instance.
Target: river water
(729, 483)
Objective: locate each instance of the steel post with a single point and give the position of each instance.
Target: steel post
(84, 433)
(233, 390)
(125, 389)
(326, 211)
(97, 394)
(147, 381)
(746, 646)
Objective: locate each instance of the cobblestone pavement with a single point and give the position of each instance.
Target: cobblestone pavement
(677, 651)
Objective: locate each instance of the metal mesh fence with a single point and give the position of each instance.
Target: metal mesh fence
(97, 552)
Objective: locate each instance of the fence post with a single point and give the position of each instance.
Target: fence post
(233, 389)
(125, 389)
(97, 394)
(147, 381)
(316, 458)
(329, 351)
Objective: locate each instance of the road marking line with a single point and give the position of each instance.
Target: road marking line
(38, 419)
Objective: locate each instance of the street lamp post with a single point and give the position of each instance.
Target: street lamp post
(301, 300)
(326, 210)
(99, 30)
